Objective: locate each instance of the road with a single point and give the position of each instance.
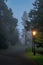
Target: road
(14, 56)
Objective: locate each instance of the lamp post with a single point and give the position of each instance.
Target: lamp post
(34, 34)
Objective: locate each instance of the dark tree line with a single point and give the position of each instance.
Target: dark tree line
(8, 26)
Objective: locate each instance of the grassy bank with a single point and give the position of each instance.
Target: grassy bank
(37, 58)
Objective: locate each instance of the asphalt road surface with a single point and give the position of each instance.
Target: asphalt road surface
(14, 56)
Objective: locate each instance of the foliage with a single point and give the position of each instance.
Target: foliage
(36, 19)
(39, 37)
(8, 24)
(36, 15)
(26, 23)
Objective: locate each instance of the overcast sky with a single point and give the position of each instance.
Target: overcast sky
(18, 7)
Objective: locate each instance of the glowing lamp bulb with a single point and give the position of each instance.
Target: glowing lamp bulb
(34, 33)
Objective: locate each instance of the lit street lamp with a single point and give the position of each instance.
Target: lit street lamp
(34, 34)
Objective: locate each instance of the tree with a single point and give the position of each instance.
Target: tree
(36, 15)
(8, 24)
(26, 23)
(36, 19)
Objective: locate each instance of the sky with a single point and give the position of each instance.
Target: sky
(18, 7)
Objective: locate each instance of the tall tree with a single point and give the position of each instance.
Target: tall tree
(36, 19)
(36, 15)
(26, 22)
(26, 25)
(8, 24)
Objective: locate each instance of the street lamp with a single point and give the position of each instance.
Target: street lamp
(34, 34)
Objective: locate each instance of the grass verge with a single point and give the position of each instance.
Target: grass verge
(37, 58)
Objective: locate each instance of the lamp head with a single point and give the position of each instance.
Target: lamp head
(34, 33)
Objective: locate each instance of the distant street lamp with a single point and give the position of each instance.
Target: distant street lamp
(34, 34)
